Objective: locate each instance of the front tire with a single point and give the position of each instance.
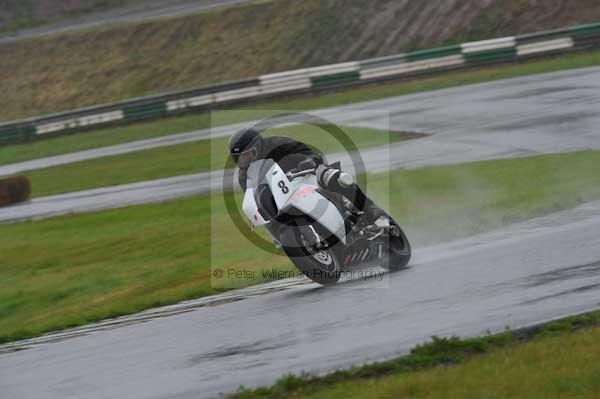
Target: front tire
(323, 266)
(399, 248)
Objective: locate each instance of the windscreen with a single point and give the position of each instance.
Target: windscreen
(257, 172)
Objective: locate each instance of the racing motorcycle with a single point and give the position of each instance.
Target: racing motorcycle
(322, 232)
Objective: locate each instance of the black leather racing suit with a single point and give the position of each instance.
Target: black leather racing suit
(288, 153)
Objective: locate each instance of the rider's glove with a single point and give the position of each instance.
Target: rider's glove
(332, 178)
(326, 175)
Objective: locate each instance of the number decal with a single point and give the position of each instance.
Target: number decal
(283, 187)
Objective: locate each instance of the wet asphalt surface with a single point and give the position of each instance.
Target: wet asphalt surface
(541, 114)
(133, 13)
(521, 275)
(518, 276)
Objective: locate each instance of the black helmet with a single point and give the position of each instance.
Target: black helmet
(245, 146)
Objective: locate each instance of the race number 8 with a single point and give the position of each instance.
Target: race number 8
(283, 187)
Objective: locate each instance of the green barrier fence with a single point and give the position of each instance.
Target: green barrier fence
(504, 54)
(145, 111)
(17, 134)
(433, 53)
(582, 31)
(334, 79)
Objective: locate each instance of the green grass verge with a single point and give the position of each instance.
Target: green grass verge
(101, 138)
(188, 158)
(117, 135)
(71, 270)
(555, 361)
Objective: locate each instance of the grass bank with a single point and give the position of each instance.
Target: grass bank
(555, 361)
(72, 270)
(117, 135)
(182, 159)
(109, 63)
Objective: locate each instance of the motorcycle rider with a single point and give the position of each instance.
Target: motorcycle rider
(247, 145)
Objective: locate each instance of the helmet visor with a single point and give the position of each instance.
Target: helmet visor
(244, 159)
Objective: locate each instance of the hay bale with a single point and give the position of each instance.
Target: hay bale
(14, 190)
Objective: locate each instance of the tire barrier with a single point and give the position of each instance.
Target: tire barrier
(14, 190)
(506, 49)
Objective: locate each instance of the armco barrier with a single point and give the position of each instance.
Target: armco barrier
(17, 133)
(309, 79)
(433, 53)
(540, 36)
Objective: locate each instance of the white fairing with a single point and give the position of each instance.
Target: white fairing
(251, 209)
(280, 185)
(301, 193)
(311, 203)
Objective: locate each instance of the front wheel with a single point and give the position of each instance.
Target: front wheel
(399, 248)
(313, 251)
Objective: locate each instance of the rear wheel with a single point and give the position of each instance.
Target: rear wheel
(313, 250)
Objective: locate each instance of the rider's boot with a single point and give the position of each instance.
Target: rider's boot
(378, 217)
(338, 181)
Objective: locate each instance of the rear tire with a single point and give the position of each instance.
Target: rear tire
(322, 267)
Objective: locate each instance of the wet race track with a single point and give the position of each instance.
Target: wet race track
(541, 114)
(134, 13)
(521, 275)
(526, 274)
